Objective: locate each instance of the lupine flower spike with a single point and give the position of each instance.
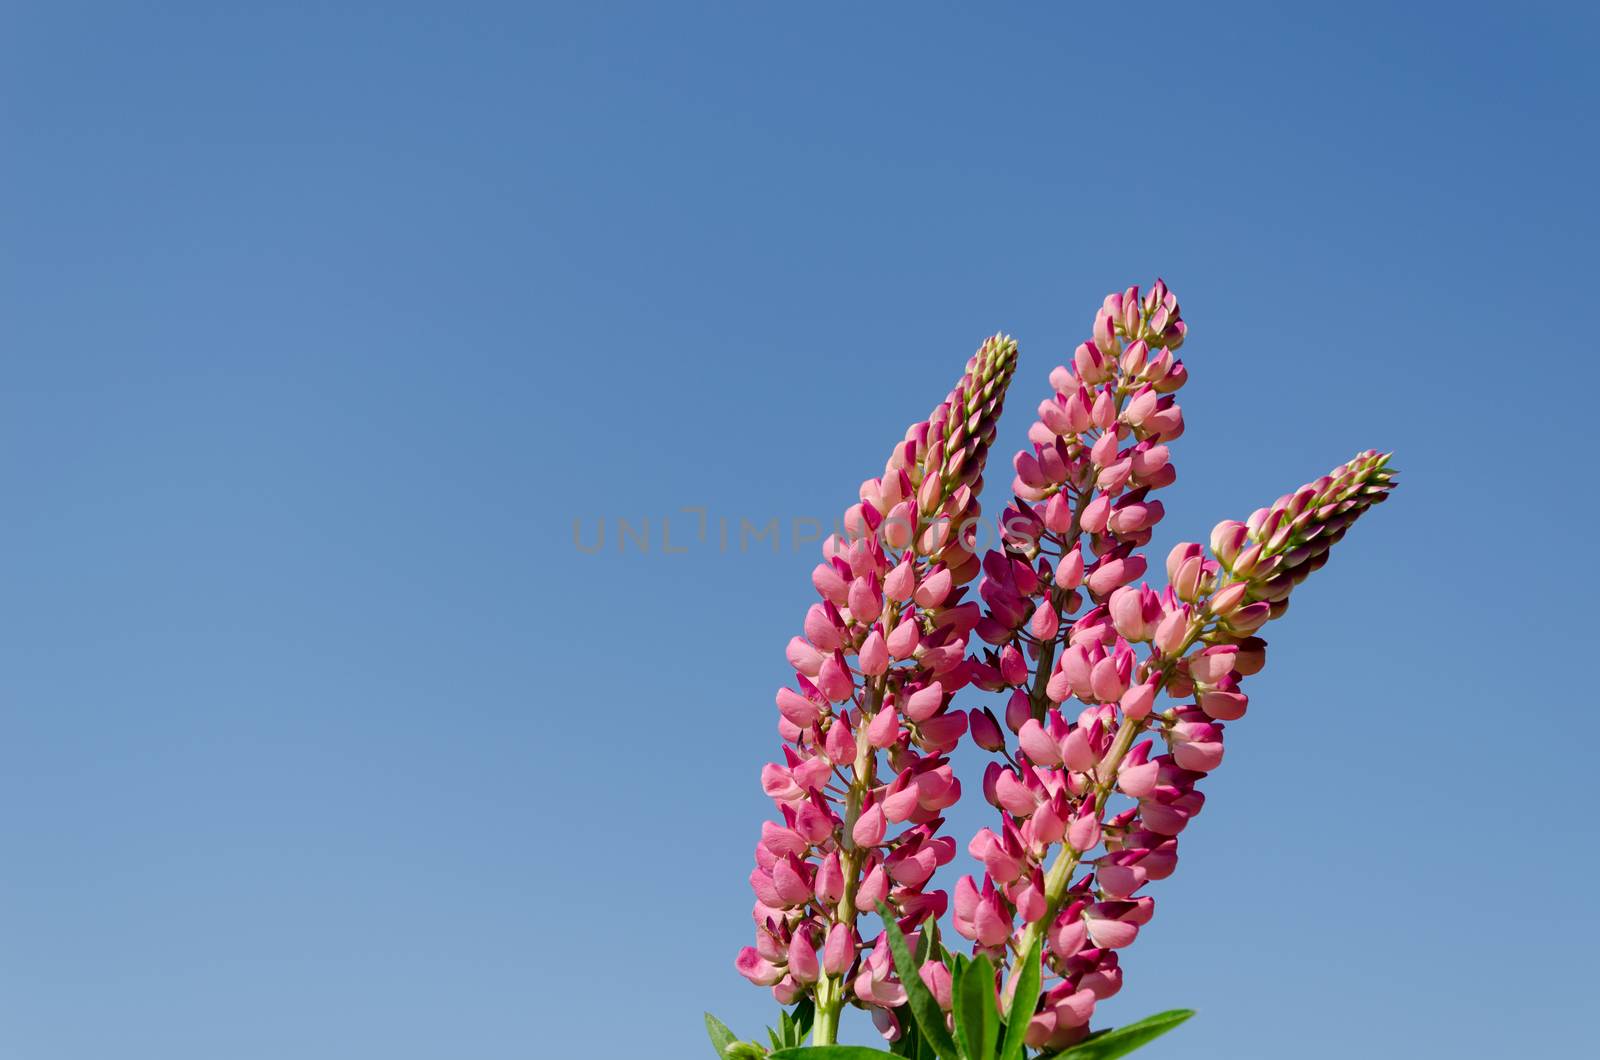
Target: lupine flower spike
(867, 725)
(1093, 659)
(1116, 697)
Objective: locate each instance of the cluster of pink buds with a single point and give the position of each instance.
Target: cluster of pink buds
(868, 725)
(1086, 653)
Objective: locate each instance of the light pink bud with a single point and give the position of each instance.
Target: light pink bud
(753, 967)
(1109, 574)
(924, 703)
(1077, 753)
(1186, 582)
(1095, 513)
(1171, 631)
(1058, 514)
(803, 657)
(829, 583)
(839, 951)
(1069, 574)
(820, 629)
(1013, 795)
(901, 581)
(1045, 621)
(869, 827)
(1137, 702)
(865, 604)
(933, 590)
(840, 742)
(873, 889)
(936, 977)
(1084, 831)
(797, 708)
(1227, 599)
(884, 729)
(1047, 824)
(834, 680)
(1038, 745)
(874, 655)
(1030, 903)
(903, 639)
(803, 959)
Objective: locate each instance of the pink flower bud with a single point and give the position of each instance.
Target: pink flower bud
(803, 657)
(874, 888)
(924, 703)
(1110, 573)
(1018, 710)
(936, 977)
(834, 680)
(932, 591)
(1038, 745)
(874, 655)
(865, 603)
(1084, 831)
(903, 639)
(901, 581)
(884, 729)
(1069, 573)
(1095, 514)
(985, 729)
(803, 959)
(1045, 621)
(820, 629)
(753, 967)
(797, 708)
(869, 827)
(1137, 702)
(839, 951)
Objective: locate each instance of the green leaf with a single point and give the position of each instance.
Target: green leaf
(1125, 1040)
(977, 1021)
(828, 1052)
(1024, 997)
(804, 1014)
(929, 1016)
(721, 1036)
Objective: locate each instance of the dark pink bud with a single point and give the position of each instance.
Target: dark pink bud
(985, 729)
(1018, 710)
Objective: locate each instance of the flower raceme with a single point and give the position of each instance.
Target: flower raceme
(868, 725)
(1117, 693)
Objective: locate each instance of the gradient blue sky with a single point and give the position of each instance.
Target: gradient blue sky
(320, 323)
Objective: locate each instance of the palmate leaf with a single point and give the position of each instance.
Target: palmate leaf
(1124, 1040)
(926, 1010)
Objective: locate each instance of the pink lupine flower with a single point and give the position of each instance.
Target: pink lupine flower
(1068, 618)
(868, 721)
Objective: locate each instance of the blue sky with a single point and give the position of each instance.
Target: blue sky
(321, 323)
